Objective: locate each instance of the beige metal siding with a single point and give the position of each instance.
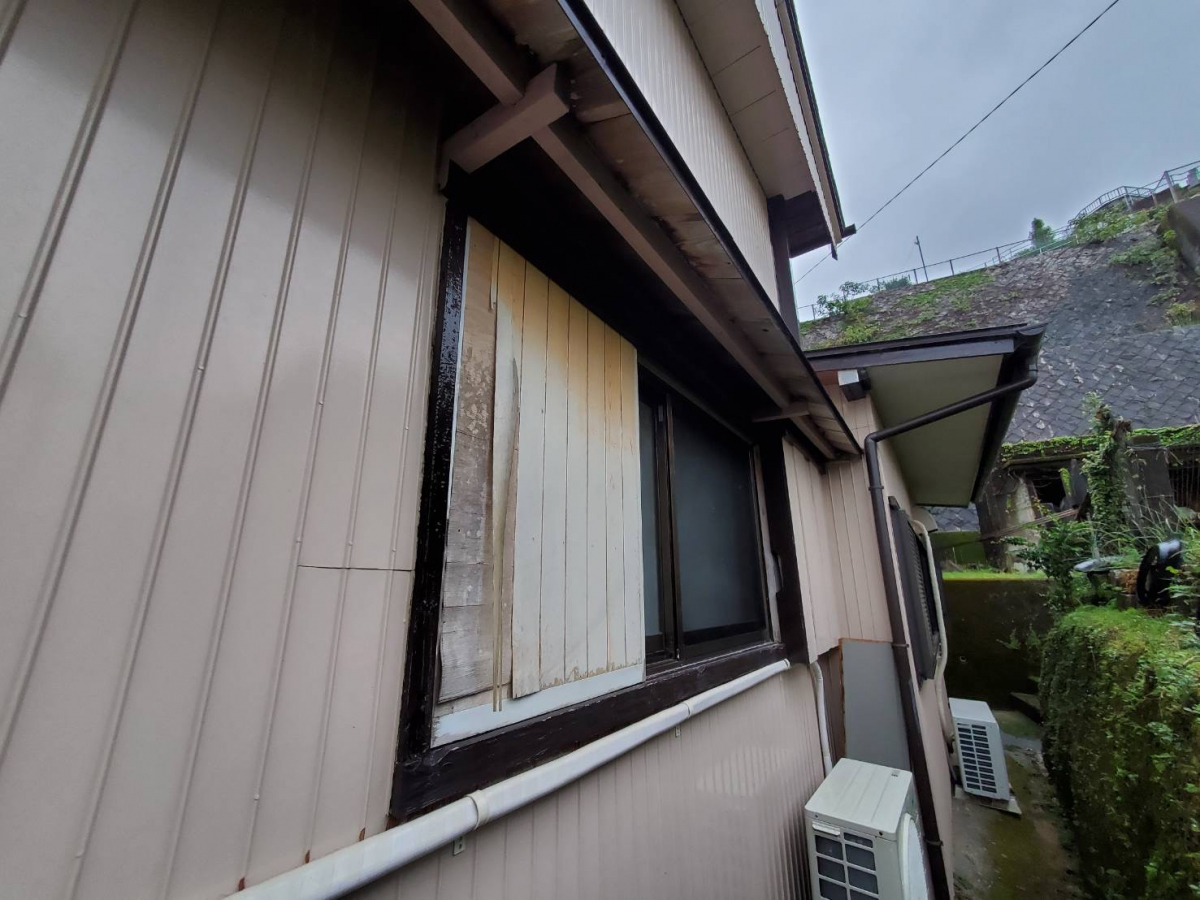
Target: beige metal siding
(821, 589)
(217, 251)
(654, 43)
(714, 813)
(858, 559)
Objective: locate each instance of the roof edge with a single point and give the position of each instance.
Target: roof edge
(805, 76)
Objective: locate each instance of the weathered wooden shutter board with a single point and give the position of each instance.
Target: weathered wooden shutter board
(468, 614)
(547, 514)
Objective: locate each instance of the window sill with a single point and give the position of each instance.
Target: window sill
(445, 773)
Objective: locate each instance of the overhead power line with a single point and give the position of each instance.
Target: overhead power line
(968, 132)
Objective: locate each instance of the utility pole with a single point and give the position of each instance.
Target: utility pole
(922, 252)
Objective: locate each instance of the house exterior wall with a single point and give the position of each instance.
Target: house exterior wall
(716, 812)
(653, 42)
(217, 254)
(856, 563)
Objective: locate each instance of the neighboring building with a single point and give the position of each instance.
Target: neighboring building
(1110, 332)
(412, 478)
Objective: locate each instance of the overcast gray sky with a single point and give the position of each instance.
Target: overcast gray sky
(896, 83)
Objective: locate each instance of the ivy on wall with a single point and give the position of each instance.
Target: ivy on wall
(1077, 445)
(1107, 471)
(1120, 691)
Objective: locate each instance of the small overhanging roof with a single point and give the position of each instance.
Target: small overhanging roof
(946, 463)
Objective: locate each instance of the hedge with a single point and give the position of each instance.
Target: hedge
(1120, 691)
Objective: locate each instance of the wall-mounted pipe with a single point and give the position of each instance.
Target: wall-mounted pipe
(360, 864)
(814, 669)
(891, 590)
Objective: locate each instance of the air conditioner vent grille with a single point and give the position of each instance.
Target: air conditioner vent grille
(846, 867)
(980, 750)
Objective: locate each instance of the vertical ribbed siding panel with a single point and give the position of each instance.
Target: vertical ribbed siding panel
(820, 577)
(654, 43)
(217, 263)
(716, 812)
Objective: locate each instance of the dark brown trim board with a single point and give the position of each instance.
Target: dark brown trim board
(419, 692)
(446, 773)
(782, 538)
(781, 251)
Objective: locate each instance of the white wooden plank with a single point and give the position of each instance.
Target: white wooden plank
(614, 544)
(631, 510)
(466, 651)
(554, 492)
(527, 546)
(510, 304)
(576, 537)
(468, 639)
(597, 539)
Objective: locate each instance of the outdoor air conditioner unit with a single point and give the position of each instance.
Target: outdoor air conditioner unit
(863, 839)
(980, 749)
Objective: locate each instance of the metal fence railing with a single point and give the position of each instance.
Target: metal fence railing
(1173, 185)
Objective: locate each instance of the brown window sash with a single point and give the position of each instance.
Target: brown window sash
(427, 776)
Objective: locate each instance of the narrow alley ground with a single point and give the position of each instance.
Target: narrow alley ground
(998, 856)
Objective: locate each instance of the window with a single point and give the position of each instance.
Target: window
(917, 580)
(701, 547)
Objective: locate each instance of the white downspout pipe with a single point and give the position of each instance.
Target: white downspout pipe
(939, 668)
(360, 864)
(814, 669)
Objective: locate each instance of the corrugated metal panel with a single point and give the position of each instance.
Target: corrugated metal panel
(653, 42)
(218, 246)
(866, 612)
(716, 812)
(821, 588)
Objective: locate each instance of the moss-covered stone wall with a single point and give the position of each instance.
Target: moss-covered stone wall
(994, 626)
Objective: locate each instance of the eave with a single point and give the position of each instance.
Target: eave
(614, 151)
(946, 463)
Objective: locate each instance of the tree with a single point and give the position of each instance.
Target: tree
(1040, 234)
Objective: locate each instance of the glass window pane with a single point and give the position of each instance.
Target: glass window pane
(653, 589)
(719, 566)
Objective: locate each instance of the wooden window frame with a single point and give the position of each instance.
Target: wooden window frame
(673, 648)
(427, 776)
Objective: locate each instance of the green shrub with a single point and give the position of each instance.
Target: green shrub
(1060, 545)
(1120, 691)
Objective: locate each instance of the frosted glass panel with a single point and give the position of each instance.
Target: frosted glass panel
(719, 570)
